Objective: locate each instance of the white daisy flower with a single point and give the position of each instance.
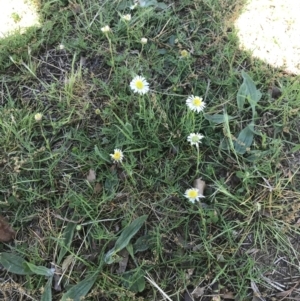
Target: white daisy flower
(195, 103)
(144, 40)
(38, 117)
(194, 139)
(117, 156)
(126, 17)
(105, 29)
(139, 85)
(193, 195)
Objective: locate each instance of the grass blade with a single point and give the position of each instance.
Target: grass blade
(14, 264)
(217, 118)
(67, 239)
(125, 238)
(79, 291)
(244, 139)
(47, 294)
(129, 232)
(39, 270)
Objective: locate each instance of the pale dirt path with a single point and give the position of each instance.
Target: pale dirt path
(271, 29)
(17, 15)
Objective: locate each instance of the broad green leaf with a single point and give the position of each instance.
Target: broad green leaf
(129, 249)
(250, 85)
(252, 92)
(111, 183)
(67, 240)
(101, 154)
(244, 139)
(241, 96)
(80, 290)
(129, 232)
(124, 239)
(247, 91)
(39, 270)
(256, 99)
(47, 293)
(111, 256)
(14, 264)
(217, 118)
(134, 280)
(172, 40)
(143, 243)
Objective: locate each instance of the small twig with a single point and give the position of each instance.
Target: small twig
(161, 32)
(256, 291)
(157, 287)
(66, 219)
(288, 292)
(207, 89)
(272, 283)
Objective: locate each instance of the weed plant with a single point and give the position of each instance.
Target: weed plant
(111, 116)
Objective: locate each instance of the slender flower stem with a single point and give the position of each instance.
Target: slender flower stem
(128, 39)
(46, 140)
(140, 54)
(142, 106)
(111, 51)
(198, 159)
(193, 119)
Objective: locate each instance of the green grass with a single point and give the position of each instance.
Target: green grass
(248, 219)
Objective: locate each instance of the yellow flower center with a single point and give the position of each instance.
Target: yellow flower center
(117, 156)
(139, 84)
(184, 53)
(38, 117)
(197, 101)
(195, 139)
(193, 194)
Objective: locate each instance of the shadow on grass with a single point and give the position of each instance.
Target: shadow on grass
(23, 39)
